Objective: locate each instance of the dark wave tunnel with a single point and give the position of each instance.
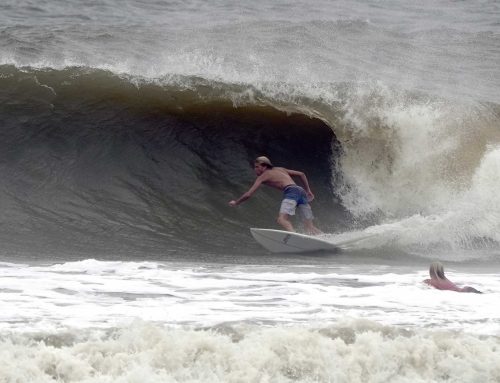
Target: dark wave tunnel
(93, 166)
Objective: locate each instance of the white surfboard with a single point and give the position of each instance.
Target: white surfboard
(279, 241)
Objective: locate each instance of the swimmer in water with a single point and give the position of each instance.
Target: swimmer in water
(440, 282)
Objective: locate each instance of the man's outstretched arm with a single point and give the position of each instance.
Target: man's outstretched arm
(248, 194)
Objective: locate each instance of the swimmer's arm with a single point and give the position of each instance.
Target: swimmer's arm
(468, 289)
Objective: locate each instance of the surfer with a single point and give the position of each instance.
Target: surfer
(294, 196)
(440, 282)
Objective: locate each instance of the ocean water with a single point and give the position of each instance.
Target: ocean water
(127, 126)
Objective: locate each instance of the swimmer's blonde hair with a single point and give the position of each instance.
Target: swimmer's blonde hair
(436, 270)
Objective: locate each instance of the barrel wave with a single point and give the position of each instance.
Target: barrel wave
(98, 162)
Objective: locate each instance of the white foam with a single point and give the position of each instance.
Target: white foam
(351, 351)
(423, 167)
(98, 321)
(107, 294)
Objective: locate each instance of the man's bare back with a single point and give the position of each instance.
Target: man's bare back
(277, 178)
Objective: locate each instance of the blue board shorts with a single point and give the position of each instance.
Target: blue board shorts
(295, 197)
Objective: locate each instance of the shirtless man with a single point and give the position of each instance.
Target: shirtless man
(293, 195)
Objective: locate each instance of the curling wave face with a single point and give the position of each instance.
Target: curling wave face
(127, 125)
(94, 163)
(97, 162)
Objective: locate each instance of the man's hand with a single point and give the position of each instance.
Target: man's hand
(310, 196)
(232, 203)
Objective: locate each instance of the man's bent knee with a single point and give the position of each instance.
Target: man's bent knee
(284, 222)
